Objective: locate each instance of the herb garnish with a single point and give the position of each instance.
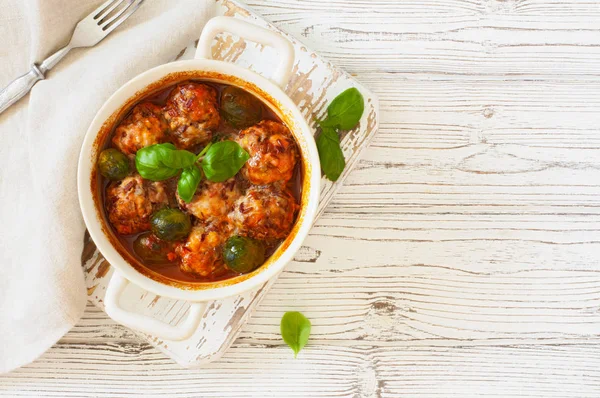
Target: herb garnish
(223, 160)
(188, 183)
(162, 161)
(330, 153)
(219, 161)
(343, 113)
(295, 329)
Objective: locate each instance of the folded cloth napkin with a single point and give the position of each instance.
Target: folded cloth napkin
(42, 291)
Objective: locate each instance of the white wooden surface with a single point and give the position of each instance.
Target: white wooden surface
(461, 258)
(313, 84)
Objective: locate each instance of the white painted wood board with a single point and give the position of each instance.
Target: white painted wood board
(461, 256)
(314, 83)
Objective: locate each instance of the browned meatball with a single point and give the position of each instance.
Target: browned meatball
(273, 152)
(192, 114)
(131, 201)
(213, 200)
(265, 212)
(145, 126)
(201, 253)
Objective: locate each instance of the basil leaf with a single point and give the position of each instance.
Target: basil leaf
(188, 183)
(149, 162)
(295, 329)
(330, 153)
(345, 110)
(166, 145)
(223, 160)
(179, 159)
(162, 161)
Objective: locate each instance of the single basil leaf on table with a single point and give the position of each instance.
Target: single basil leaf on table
(330, 153)
(295, 329)
(345, 111)
(188, 183)
(223, 160)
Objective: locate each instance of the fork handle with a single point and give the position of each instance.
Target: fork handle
(19, 87)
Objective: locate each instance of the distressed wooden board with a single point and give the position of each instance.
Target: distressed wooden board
(461, 256)
(313, 84)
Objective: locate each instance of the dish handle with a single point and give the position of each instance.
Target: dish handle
(254, 33)
(147, 324)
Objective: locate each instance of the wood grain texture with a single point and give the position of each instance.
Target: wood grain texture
(461, 257)
(314, 82)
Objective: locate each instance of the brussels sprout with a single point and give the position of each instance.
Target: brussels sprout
(240, 108)
(170, 224)
(153, 250)
(243, 254)
(113, 164)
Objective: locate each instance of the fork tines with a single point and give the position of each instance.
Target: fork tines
(112, 13)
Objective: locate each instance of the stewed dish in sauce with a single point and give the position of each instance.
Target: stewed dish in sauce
(200, 181)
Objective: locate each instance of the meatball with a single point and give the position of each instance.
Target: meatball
(192, 114)
(213, 200)
(273, 152)
(131, 201)
(201, 253)
(145, 126)
(265, 212)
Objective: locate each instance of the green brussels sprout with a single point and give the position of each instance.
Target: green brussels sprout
(170, 224)
(153, 250)
(242, 254)
(113, 164)
(240, 108)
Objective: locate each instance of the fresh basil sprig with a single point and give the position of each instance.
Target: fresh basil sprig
(223, 160)
(330, 153)
(295, 330)
(162, 161)
(219, 161)
(345, 110)
(343, 113)
(188, 183)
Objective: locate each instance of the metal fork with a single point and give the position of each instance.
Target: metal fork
(88, 32)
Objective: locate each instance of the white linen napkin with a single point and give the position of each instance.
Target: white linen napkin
(42, 291)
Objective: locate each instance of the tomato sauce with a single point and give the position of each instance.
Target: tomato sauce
(171, 269)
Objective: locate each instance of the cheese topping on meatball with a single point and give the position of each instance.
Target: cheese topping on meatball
(265, 212)
(201, 253)
(192, 114)
(213, 200)
(131, 202)
(273, 152)
(145, 126)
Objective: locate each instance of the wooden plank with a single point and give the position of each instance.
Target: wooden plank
(313, 84)
(426, 368)
(461, 256)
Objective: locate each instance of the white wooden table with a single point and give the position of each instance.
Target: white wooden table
(462, 256)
